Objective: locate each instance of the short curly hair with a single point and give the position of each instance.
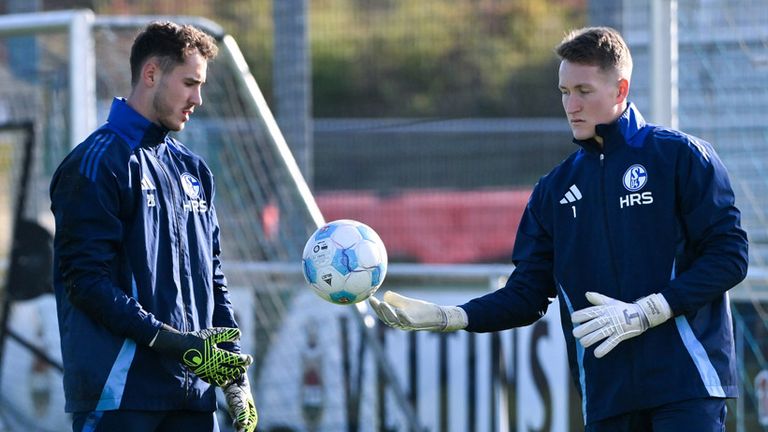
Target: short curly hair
(171, 43)
(597, 46)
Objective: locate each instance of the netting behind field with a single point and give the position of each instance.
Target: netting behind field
(428, 127)
(263, 218)
(723, 62)
(33, 111)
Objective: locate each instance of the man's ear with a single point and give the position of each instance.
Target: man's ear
(150, 73)
(623, 90)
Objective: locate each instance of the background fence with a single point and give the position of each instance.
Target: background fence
(428, 120)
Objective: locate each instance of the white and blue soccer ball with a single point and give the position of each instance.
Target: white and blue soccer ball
(344, 261)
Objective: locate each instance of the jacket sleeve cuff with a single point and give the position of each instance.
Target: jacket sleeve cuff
(146, 337)
(675, 301)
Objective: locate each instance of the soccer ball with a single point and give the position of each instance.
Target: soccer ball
(344, 261)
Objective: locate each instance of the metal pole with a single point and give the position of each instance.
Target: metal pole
(82, 77)
(293, 79)
(512, 382)
(21, 199)
(381, 383)
(495, 387)
(82, 67)
(740, 427)
(346, 365)
(442, 387)
(413, 370)
(664, 63)
(471, 381)
(235, 57)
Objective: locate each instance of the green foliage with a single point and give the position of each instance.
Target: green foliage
(250, 22)
(401, 58)
(437, 58)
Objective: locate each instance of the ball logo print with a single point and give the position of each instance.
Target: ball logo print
(193, 357)
(190, 185)
(635, 178)
(344, 261)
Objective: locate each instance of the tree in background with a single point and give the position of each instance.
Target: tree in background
(402, 58)
(461, 58)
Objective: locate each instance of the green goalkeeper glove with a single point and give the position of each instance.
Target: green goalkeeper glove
(406, 313)
(241, 406)
(199, 352)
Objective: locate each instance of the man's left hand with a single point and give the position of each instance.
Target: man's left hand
(241, 406)
(616, 321)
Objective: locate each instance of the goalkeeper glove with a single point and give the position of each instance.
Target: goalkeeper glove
(616, 321)
(241, 406)
(199, 352)
(410, 314)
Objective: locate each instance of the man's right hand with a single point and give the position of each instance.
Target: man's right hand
(407, 313)
(199, 352)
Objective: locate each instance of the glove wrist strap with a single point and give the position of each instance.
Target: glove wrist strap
(655, 308)
(455, 318)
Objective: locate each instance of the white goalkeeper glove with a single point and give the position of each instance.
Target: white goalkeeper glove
(241, 406)
(410, 314)
(616, 321)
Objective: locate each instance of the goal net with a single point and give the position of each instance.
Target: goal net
(59, 72)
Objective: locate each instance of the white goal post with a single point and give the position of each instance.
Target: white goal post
(79, 23)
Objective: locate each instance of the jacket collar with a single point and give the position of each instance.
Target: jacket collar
(628, 129)
(133, 127)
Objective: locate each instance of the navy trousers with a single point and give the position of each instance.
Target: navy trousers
(145, 421)
(695, 415)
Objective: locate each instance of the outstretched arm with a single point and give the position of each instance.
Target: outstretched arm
(407, 313)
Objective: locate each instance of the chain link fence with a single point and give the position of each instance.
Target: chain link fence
(431, 122)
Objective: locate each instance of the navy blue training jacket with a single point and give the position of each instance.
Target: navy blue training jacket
(652, 211)
(136, 245)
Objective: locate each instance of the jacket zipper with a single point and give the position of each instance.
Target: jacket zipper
(607, 228)
(178, 250)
